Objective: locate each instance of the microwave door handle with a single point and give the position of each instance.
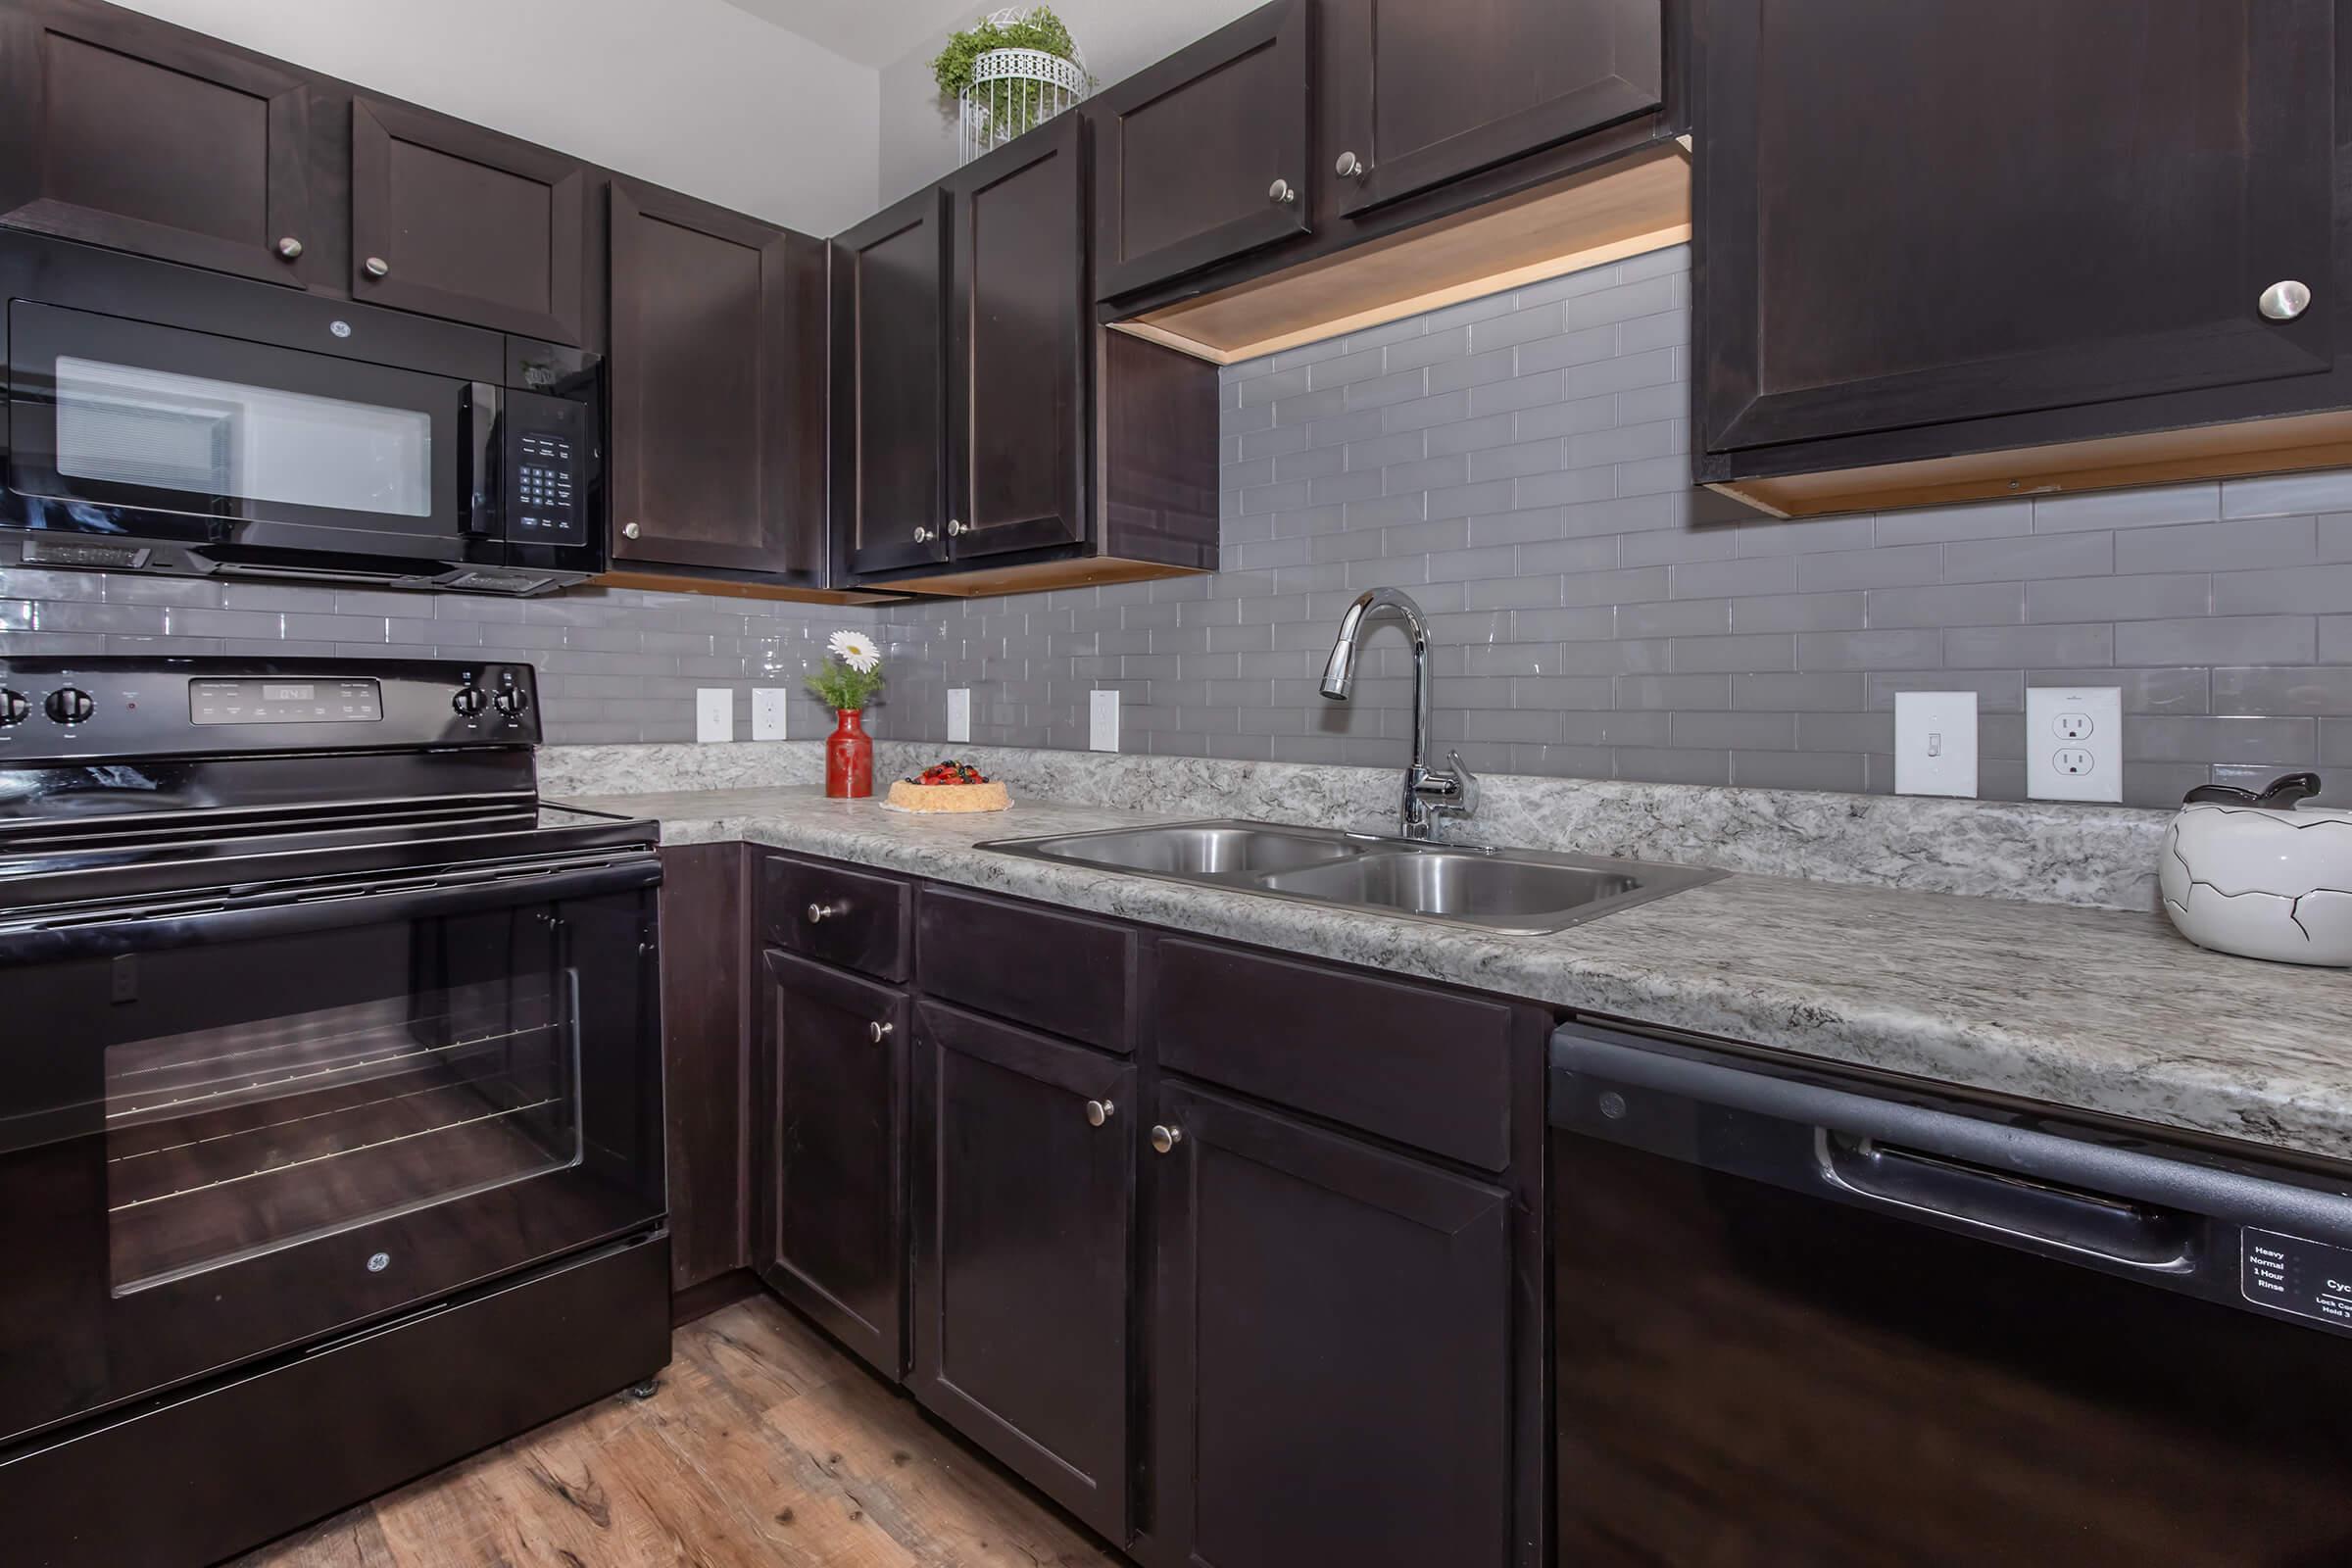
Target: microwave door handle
(481, 486)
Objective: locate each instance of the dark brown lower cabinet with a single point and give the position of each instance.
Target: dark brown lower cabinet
(1023, 1209)
(1332, 1357)
(704, 1058)
(831, 1220)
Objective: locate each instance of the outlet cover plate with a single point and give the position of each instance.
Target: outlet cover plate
(1935, 743)
(960, 715)
(1102, 720)
(2075, 743)
(768, 707)
(714, 713)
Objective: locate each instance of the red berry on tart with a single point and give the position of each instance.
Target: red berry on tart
(948, 786)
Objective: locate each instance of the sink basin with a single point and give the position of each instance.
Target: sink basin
(1478, 888)
(1518, 891)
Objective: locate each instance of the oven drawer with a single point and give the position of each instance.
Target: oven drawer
(852, 920)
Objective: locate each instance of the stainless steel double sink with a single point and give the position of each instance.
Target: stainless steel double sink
(1526, 892)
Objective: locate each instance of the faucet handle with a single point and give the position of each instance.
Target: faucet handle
(1465, 791)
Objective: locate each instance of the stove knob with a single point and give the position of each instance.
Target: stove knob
(468, 700)
(15, 707)
(70, 704)
(512, 701)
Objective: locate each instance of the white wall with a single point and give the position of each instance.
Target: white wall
(1119, 36)
(692, 94)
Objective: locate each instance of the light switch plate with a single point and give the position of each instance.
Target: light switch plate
(2075, 743)
(960, 715)
(1935, 743)
(714, 713)
(1102, 720)
(768, 706)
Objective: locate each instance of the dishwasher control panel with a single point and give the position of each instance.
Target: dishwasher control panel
(2288, 1274)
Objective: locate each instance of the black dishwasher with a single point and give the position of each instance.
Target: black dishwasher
(1807, 1318)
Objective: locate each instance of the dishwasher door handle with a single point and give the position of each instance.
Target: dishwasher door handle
(2016, 1208)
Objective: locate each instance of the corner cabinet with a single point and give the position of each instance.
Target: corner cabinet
(1944, 229)
(717, 369)
(890, 387)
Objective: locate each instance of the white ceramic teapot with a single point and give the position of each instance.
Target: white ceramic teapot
(2261, 875)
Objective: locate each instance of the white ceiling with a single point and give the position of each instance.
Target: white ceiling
(871, 32)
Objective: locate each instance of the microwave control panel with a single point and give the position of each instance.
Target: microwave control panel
(547, 444)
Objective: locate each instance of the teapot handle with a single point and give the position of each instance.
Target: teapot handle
(2283, 794)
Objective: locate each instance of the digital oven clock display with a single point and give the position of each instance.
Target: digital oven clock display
(273, 702)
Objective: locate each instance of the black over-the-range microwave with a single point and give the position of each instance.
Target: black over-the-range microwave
(161, 419)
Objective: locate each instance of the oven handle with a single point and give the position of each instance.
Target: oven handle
(138, 928)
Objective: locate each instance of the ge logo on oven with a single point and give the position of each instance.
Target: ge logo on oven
(377, 1262)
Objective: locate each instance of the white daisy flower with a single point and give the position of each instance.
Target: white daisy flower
(855, 649)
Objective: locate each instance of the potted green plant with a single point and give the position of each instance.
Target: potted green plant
(846, 682)
(1010, 71)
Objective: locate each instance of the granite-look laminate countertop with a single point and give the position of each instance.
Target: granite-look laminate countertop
(2097, 1009)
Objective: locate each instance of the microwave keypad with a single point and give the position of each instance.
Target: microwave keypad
(542, 507)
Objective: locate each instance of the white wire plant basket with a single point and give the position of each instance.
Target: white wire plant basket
(1014, 90)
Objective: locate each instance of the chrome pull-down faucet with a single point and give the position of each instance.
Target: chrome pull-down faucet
(1429, 793)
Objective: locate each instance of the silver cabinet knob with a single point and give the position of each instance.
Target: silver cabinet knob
(2285, 300)
(289, 247)
(1349, 167)
(922, 535)
(1099, 1111)
(824, 911)
(1281, 194)
(630, 530)
(376, 266)
(955, 528)
(1165, 1139)
(878, 1032)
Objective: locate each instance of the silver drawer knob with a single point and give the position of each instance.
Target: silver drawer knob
(824, 911)
(1349, 167)
(2285, 300)
(630, 530)
(1165, 1139)
(289, 247)
(376, 266)
(879, 1032)
(922, 535)
(955, 528)
(1099, 1111)
(1281, 194)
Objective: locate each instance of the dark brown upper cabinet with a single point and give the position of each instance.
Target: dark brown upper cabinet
(890, 387)
(717, 370)
(128, 132)
(1018, 347)
(453, 220)
(1426, 93)
(1950, 228)
(1205, 156)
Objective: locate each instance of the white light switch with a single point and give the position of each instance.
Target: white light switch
(1935, 743)
(1102, 720)
(768, 706)
(959, 715)
(714, 713)
(2075, 743)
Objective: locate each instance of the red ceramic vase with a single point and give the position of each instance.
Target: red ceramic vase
(849, 757)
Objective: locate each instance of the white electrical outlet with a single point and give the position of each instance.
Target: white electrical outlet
(1935, 743)
(2075, 743)
(1102, 720)
(960, 715)
(714, 713)
(768, 706)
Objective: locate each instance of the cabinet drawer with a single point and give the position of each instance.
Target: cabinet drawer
(1421, 1066)
(1061, 972)
(835, 915)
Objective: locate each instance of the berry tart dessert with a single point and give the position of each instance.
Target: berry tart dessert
(948, 786)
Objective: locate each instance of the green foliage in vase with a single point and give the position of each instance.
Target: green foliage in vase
(1015, 106)
(837, 685)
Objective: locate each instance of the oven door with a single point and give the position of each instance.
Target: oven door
(228, 1132)
(157, 432)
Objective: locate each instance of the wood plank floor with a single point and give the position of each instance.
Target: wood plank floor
(766, 1445)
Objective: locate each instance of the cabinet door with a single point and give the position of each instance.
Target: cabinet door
(453, 220)
(1951, 209)
(1023, 1206)
(832, 1100)
(1019, 330)
(1332, 1349)
(716, 372)
(890, 387)
(1428, 92)
(128, 132)
(1195, 154)
(706, 1066)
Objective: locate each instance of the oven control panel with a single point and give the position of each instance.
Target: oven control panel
(546, 453)
(285, 702)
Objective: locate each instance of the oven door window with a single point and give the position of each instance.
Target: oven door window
(161, 432)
